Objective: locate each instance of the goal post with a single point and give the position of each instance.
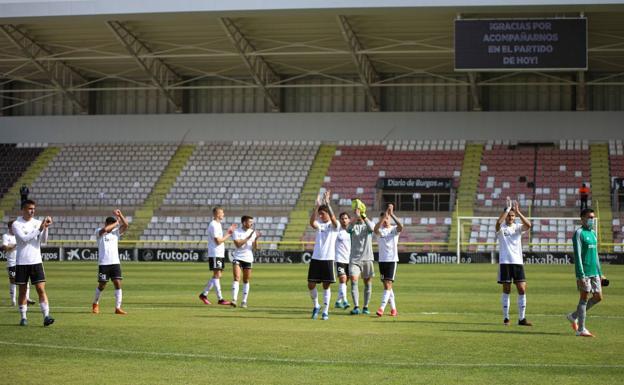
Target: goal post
(477, 234)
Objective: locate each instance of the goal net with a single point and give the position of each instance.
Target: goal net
(548, 234)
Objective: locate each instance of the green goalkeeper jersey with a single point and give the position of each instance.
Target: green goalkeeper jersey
(586, 259)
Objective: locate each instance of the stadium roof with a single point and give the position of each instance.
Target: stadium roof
(75, 46)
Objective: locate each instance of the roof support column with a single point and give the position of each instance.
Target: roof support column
(62, 76)
(261, 72)
(366, 71)
(159, 72)
(475, 91)
(581, 91)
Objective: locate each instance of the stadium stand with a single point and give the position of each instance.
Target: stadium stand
(93, 175)
(557, 233)
(501, 169)
(616, 162)
(618, 232)
(192, 229)
(14, 160)
(244, 174)
(483, 230)
(508, 169)
(616, 158)
(261, 175)
(75, 227)
(560, 172)
(432, 229)
(357, 165)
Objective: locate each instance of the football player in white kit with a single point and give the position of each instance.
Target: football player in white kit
(343, 251)
(30, 233)
(321, 269)
(8, 247)
(511, 264)
(216, 255)
(109, 266)
(388, 239)
(245, 239)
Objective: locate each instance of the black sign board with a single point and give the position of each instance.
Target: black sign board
(51, 253)
(521, 44)
(563, 258)
(414, 184)
(91, 254)
(279, 256)
(172, 255)
(47, 254)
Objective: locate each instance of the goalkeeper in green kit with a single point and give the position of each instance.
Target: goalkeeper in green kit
(589, 276)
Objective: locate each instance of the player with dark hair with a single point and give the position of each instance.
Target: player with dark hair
(588, 272)
(216, 255)
(343, 250)
(109, 266)
(245, 239)
(8, 247)
(511, 264)
(388, 239)
(321, 269)
(30, 233)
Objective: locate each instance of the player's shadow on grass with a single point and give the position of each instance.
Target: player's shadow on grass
(163, 305)
(8, 325)
(525, 332)
(446, 322)
(259, 312)
(248, 316)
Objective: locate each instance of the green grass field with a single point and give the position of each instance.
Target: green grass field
(449, 330)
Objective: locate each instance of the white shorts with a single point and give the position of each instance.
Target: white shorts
(365, 268)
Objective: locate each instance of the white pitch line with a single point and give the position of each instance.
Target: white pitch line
(306, 360)
(531, 314)
(88, 308)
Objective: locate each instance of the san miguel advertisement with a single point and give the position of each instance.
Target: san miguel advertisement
(443, 257)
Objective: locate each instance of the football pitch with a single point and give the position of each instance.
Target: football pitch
(449, 330)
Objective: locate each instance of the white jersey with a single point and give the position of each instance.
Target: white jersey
(343, 246)
(28, 240)
(388, 240)
(510, 244)
(9, 239)
(108, 243)
(325, 244)
(245, 252)
(215, 231)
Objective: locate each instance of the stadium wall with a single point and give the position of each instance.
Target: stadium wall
(519, 126)
(318, 94)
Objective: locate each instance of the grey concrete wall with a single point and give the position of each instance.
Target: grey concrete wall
(529, 126)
